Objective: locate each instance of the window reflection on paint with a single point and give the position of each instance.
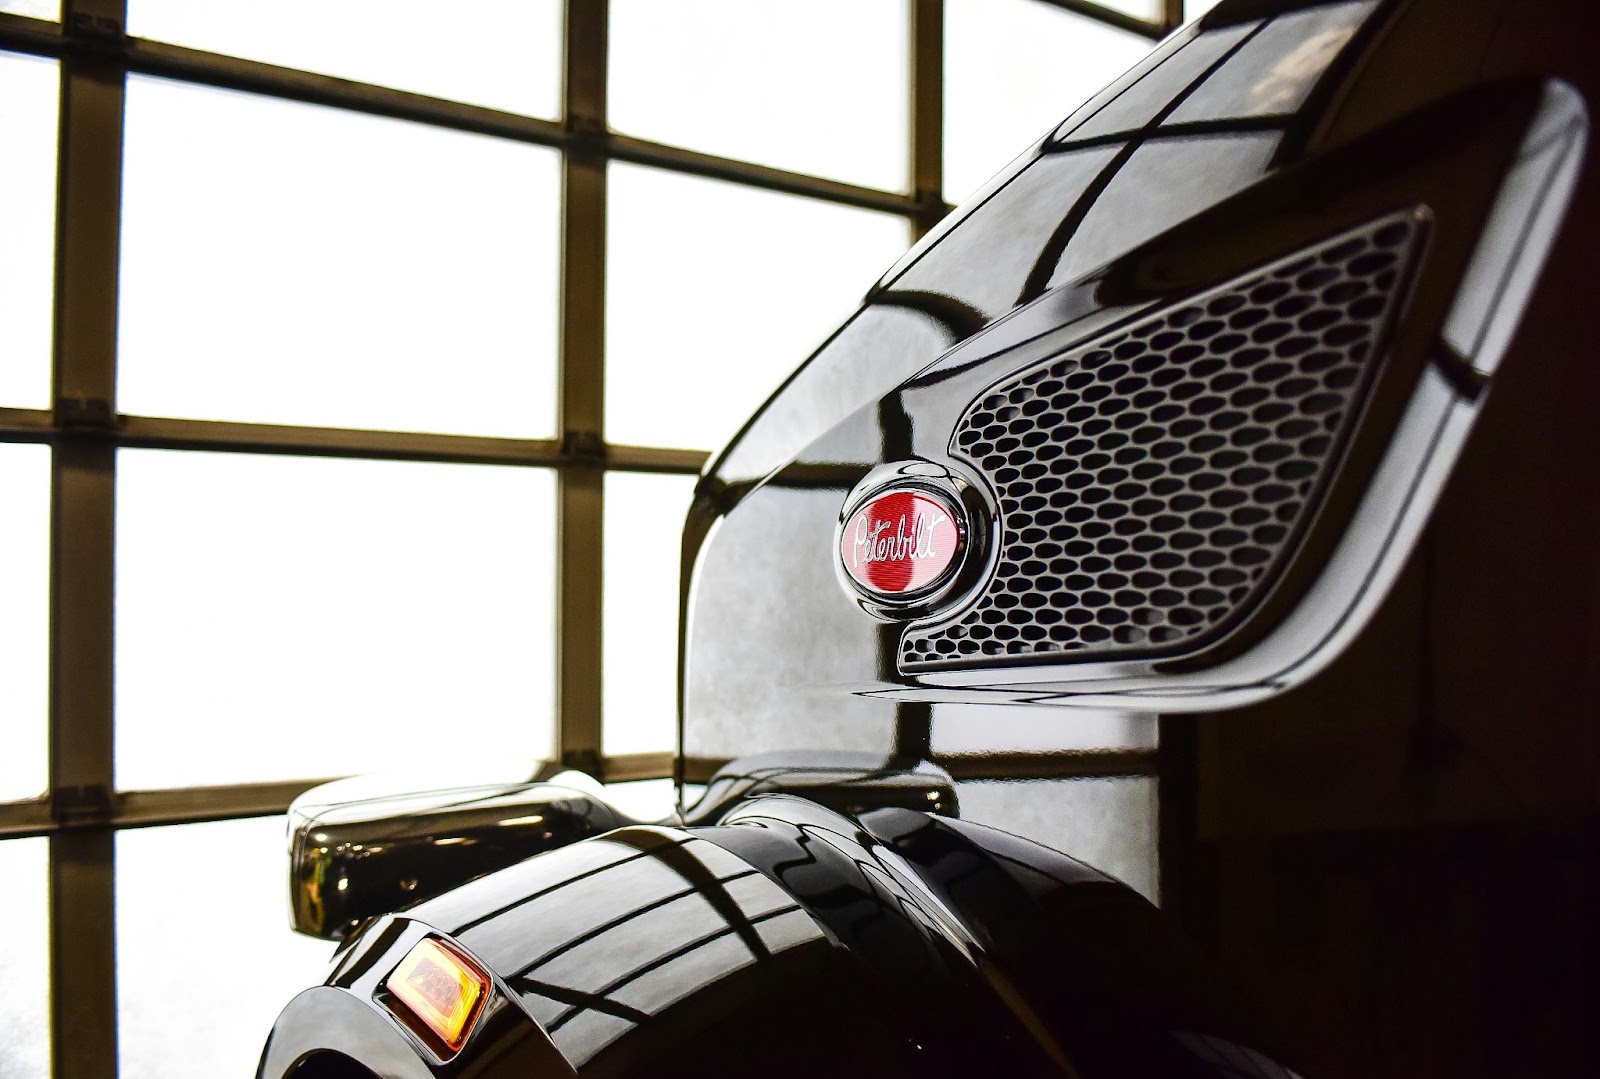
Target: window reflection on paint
(1108, 823)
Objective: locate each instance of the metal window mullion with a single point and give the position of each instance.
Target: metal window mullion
(180, 805)
(580, 516)
(637, 151)
(163, 432)
(30, 818)
(272, 80)
(1121, 20)
(926, 114)
(26, 425)
(23, 33)
(83, 1005)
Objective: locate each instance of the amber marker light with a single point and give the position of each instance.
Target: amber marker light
(439, 989)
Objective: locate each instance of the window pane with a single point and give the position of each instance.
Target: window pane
(280, 617)
(173, 885)
(1108, 823)
(1193, 9)
(644, 520)
(1013, 70)
(505, 54)
(817, 87)
(284, 263)
(30, 93)
(989, 728)
(25, 593)
(1148, 10)
(25, 960)
(717, 292)
(38, 9)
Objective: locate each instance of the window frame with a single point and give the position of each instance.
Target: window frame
(81, 810)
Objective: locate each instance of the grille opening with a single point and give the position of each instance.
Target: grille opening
(1186, 447)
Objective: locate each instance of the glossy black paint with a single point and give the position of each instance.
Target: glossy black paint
(790, 940)
(363, 847)
(845, 782)
(359, 848)
(1237, 143)
(341, 1030)
(961, 286)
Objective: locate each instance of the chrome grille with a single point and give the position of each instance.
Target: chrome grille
(1150, 483)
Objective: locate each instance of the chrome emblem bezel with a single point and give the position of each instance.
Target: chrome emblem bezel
(936, 484)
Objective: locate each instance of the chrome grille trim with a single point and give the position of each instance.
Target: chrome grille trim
(1150, 484)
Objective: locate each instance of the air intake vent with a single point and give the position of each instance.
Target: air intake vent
(1150, 484)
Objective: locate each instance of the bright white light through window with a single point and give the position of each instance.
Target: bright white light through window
(717, 292)
(25, 963)
(818, 87)
(172, 880)
(283, 617)
(36, 9)
(25, 592)
(29, 98)
(1013, 69)
(1148, 10)
(644, 520)
(286, 263)
(505, 54)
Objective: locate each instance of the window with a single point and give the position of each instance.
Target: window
(29, 92)
(170, 882)
(379, 611)
(342, 385)
(724, 289)
(644, 517)
(25, 968)
(504, 54)
(815, 87)
(24, 631)
(294, 264)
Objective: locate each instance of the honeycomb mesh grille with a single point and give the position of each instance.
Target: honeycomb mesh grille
(1149, 483)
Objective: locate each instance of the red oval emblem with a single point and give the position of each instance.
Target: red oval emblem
(901, 542)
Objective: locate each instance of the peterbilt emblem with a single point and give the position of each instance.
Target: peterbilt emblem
(901, 543)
